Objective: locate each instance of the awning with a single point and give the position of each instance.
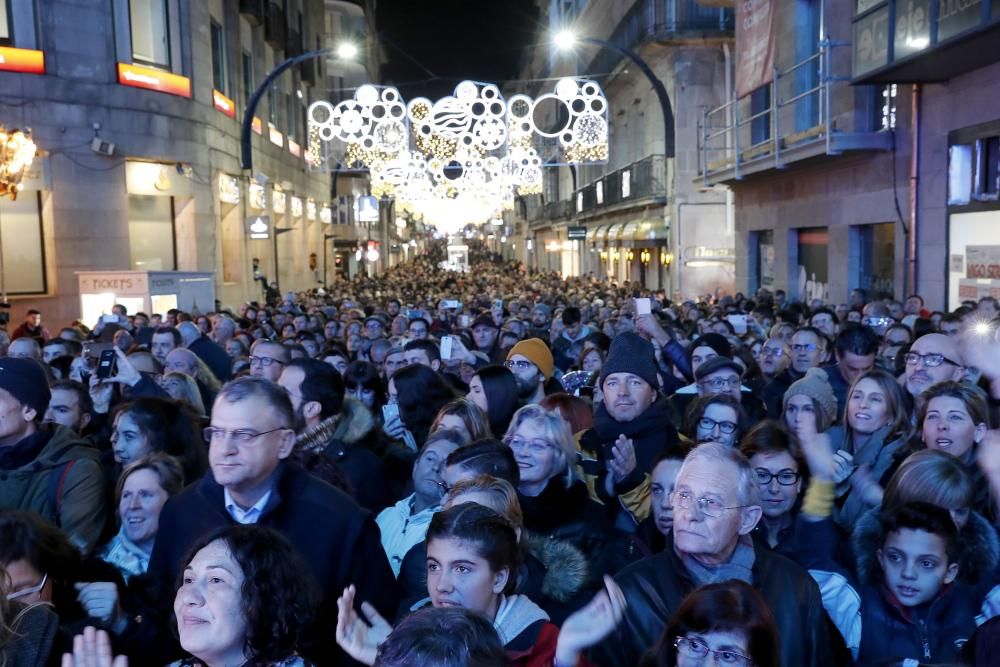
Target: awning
(596, 236)
(614, 233)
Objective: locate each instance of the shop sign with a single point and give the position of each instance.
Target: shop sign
(28, 61)
(576, 233)
(259, 227)
(957, 16)
(229, 189)
(871, 42)
(223, 104)
(118, 283)
(368, 209)
(154, 178)
(754, 45)
(137, 76)
(256, 196)
(296, 207)
(703, 252)
(310, 209)
(278, 201)
(982, 261)
(913, 28)
(326, 215)
(275, 135)
(257, 125)
(294, 148)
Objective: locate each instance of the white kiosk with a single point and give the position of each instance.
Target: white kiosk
(146, 291)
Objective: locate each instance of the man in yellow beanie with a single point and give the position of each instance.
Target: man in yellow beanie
(531, 363)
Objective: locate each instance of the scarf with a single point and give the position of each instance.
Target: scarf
(318, 437)
(739, 566)
(24, 452)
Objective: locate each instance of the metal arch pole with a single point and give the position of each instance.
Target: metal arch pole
(661, 91)
(246, 154)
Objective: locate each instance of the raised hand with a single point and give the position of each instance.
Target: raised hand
(92, 649)
(590, 625)
(360, 638)
(622, 461)
(99, 599)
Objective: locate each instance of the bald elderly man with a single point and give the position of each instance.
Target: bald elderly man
(933, 358)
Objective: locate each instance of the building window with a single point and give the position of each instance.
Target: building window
(876, 253)
(973, 256)
(987, 181)
(272, 107)
(248, 80)
(22, 247)
(151, 233)
(292, 116)
(6, 33)
(814, 266)
(763, 267)
(218, 58)
(150, 32)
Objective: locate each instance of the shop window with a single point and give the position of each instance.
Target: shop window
(6, 34)
(151, 233)
(814, 267)
(218, 58)
(987, 184)
(22, 246)
(876, 253)
(149, 23)
(762, 243)
(291, 117)
(973, 256)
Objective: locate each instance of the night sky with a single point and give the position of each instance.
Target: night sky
(431, 45)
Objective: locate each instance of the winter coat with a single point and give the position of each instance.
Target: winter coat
(346, 439)
(214, 357)
(566, 351)
(774, 392)
(401, 529)
(651, 433)
(35, 638)
(656, 586)
(335, 537)
(879, 456)
(54, 473)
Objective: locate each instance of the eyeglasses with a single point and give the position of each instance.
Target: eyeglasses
(25, 592)
(722, 383)
(772, 352)
(785, 477)
(265, 361)
(709, 424)
(709, 507)
(876, 321)
(521, 364)
(804, 347)
(931, 359)
(692, 648)
(241, 435)
(533, 446)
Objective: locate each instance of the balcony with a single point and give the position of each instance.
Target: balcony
(808, 110)
(640, 183)
(662, 20)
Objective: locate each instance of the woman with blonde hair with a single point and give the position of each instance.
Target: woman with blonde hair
(183, 387)
(464, 416)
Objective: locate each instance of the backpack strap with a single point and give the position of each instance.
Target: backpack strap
(57, 477)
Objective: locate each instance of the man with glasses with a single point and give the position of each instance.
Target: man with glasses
(374, 328)
(719, 375)
(775, 356)
(531, 363)
(251, 481)
(268, 359)
(418, 329)
(808, 349)
(933, 358)
(716, 505)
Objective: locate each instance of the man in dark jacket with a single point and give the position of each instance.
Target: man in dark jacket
(251, 482)
(631, 426)
(48, 470)
(214, 356)
(716, 504)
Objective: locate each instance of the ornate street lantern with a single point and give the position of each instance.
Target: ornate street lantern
(17, 151)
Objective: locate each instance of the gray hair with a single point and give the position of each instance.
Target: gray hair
(747, 488)
(557, 431)
(273, 394)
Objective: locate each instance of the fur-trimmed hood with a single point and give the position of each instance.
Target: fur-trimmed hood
(978, 541)
(352, 424)
(565, 566)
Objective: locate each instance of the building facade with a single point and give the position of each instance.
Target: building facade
(643, 216)
(136, 108)
(870, 158)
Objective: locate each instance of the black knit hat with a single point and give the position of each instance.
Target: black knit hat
(631, 353)
(25, 380)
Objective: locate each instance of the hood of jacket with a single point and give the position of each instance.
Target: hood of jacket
(565, 566)
(584, 332)
(516, 614)
(980, 548)
(349, 426)
(61, 444)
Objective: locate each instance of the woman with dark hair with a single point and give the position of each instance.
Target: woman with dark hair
(443, 637)
(494, 389)
(244, 598)
(153, 424)
(715, 418)
(728, 621)
(27, 631)
(362, 381)
(419, 393)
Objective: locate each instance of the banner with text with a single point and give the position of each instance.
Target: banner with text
(754, 45)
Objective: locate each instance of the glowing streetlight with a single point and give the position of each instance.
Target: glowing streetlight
(564, 40)
(347, 51)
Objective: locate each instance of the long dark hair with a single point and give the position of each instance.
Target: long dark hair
(365, 375)
(421, 393)
(492, 536)
(171, 427)
(728, 606)
(278, 594)
(500, 388)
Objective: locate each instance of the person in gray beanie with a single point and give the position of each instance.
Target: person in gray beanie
(46, 469)
(631, 426)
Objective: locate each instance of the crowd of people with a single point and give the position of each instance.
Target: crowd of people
(503, 467)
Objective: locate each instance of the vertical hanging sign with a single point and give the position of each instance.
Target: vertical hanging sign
(754, 45)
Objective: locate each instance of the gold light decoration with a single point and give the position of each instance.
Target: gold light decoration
(17, 151)
(644, 256)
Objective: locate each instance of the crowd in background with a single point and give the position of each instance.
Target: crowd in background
(503, 467)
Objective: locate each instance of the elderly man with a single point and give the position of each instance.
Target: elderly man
(808, 347)
(716, 505)
(25, 348)
(531, 363)
(933, 358)
(268, 359)
(252, 482)
(212, 354)
(631, 426)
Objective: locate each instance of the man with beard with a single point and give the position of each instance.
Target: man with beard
(340, 430)
(631, 426)
(531, 363)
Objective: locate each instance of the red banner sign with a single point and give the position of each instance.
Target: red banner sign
(153, 79)
(754, 45)
(22, 60)
(223, 104)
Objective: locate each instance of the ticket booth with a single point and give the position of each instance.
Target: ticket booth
(145, 291)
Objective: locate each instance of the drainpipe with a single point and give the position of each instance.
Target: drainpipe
(914, 183)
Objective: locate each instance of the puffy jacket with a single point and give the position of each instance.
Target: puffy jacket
(55, 473)
(656, 586)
